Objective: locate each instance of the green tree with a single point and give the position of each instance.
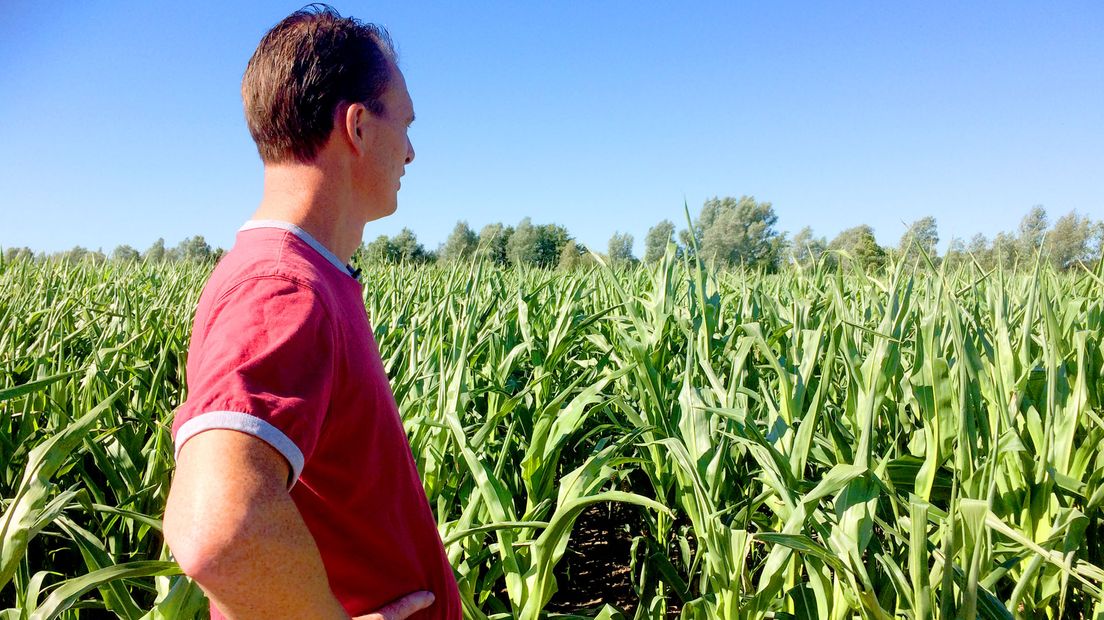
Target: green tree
(1033, 230)
(493, 239)
(859, 245)
(18, 254)
(538, 246)
(574, 256)
(461, 243)
(1096, 245)
(521, 247)
(979, 249)
(620, 249)
(74, 255)
(655, 243)
(156, 252)
(1071, 241)
(551, 239)
(1004, 251)
(381, 250)
(78, 254)
(740, 232)
(193, 249)
(407, 248)
(806, 248)
(687, 241)
(923, 234)
(125, 253)
(957, 255)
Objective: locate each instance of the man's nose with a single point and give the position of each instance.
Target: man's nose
(409, 151)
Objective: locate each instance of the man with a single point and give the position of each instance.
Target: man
(295, 493)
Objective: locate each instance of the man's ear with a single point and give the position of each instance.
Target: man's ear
(357, 127)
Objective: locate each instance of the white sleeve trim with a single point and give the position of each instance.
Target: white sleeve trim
(248, 424)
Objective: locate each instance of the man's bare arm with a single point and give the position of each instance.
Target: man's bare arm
(232, 527)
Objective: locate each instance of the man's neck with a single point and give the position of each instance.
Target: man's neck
(315, 201)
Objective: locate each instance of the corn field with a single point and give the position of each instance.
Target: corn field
(821, 443)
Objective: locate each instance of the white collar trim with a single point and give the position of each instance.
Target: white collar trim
(305, 236)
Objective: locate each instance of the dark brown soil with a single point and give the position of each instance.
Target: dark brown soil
(595, 568)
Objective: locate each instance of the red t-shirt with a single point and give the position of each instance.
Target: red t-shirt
(282, 349)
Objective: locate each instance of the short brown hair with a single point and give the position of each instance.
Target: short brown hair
(304, 67)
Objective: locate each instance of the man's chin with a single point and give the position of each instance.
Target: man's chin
(383, 211)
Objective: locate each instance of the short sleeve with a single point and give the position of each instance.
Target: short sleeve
(261, 362)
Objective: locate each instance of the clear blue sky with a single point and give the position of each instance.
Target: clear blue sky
(121, 123)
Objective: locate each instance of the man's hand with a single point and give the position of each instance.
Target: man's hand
(402, 608)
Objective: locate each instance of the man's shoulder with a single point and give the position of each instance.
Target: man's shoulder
(269, 255)
(263, 266)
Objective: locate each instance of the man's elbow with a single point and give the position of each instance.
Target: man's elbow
(194, 549)
(210, 546)
(227, 507)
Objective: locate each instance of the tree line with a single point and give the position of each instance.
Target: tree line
(192, 249)
(730, 232)
(743, 232)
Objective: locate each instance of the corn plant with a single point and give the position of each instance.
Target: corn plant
(826, 442)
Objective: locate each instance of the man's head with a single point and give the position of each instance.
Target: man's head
(316, 76)
(303, 69)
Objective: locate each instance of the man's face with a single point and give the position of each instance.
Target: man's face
(391, 150)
